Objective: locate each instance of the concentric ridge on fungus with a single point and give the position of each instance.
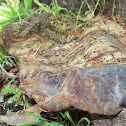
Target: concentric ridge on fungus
(89, 74)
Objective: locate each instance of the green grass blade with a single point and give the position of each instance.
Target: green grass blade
(72, 25)
(11, 8)
(42, 121)
(70, 118)
(63, 116)
(3, 68)
(37, 122)
(36, 116)
(28, 4)
(8, 21)
(3, 11)
(102, 10)
(113, 11)
(6, 87)
(56, 10)
(56, 3)
(96, 5)
(43, 8)
(78, 15)
(53, 124)
(12, 80)
(5, 59)
(84, 119)
(88, 6)
(123, 17)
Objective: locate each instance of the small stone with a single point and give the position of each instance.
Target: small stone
(1, 98)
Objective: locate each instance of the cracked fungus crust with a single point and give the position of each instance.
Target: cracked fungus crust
(97, 91)
(88, 74)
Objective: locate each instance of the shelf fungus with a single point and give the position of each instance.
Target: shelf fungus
(87, 72)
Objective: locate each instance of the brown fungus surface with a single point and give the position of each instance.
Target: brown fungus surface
(59, 71)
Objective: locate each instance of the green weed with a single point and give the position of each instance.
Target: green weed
(80, 16)
(123, 17)
(6, 60)
(9, 61)
(54, 8)
(101, 9)
(11, 12)
(68, 117)
(45, 122)
(16, 92)
(42, 121)
(113, 11)
(79, 12)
